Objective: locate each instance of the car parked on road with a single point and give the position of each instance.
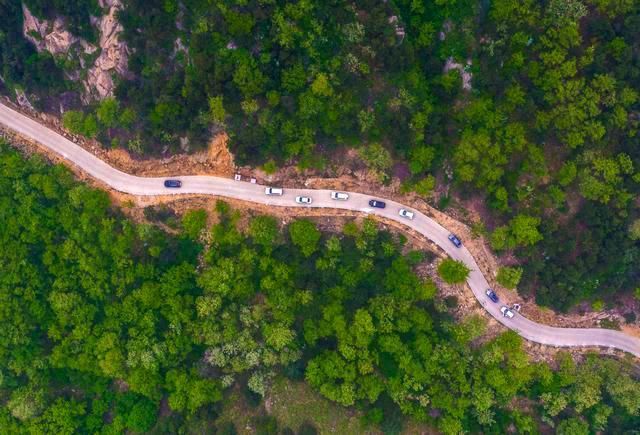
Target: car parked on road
(492, 295)
(406, 213)
(273, 191)
(339, 196)
(377, 203)
(455, 240)
(172, 183)
(303, 200)
(506, 312)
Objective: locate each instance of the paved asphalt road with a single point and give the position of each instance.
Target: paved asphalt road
(321, 198)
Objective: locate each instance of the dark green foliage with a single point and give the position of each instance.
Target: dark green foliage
(266, 425)
(592, 256)
(307, 428)
(21, 64)
(142, 416)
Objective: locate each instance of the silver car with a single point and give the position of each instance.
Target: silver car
(506, 312)
(273, 191)
(406, 213)
(340, 196)
(303, 200)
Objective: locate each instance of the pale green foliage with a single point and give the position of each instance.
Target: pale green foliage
(509, 277)
(377, 158)
(366, 120)
(321, 86)
(250, 106)
(565, 12)
(26, 403)
(108, 112)
(258, 383)
(216, 109)
(602, 178)
(77, 123)
(193, 222)
(264, 230)
(521, 231)
(425, 186)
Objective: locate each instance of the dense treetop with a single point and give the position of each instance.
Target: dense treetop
(547, 134)
(104, 321)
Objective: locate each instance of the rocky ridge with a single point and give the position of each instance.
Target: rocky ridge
(53, 37)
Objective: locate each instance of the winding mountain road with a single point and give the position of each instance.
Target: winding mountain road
(210, 185)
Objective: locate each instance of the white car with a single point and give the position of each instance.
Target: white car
(340, 196)
(506, 312)
(273, 191)
(303, 200)
(406, 213)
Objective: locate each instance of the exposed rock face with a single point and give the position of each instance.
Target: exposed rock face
(113, 58)
(464, 71)
(52, 37)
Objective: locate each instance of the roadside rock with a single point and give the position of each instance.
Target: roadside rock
(22, 99)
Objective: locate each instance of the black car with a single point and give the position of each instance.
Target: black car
(492, 295)
(455, 240)
(377, 204)
(172, 183)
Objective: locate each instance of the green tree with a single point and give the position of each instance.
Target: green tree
(452, 271)
(194, 222)
(305, 236)
(108, 112)
(142, 416)
(264, 231)
(90, 126)
(509, 277)
(522, 230)
(73, 120)
(377, 158)
(573, 426)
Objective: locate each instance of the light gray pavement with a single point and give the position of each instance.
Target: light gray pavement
(357, 202)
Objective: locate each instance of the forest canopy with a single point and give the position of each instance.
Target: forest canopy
(103, 322)
(539, 118)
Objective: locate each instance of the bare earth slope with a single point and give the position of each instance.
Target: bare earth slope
(357, 202)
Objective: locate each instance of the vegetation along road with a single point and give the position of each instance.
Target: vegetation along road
(321, 198)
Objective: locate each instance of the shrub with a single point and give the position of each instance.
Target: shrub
(453, 271)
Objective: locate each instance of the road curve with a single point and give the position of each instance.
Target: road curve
(357, 202)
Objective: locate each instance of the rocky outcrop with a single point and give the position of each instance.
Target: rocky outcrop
(464, 70)
(113, 58)
(46, 35)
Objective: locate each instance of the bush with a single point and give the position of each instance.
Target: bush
(193, 222)
(453, 271)
(509, 277)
